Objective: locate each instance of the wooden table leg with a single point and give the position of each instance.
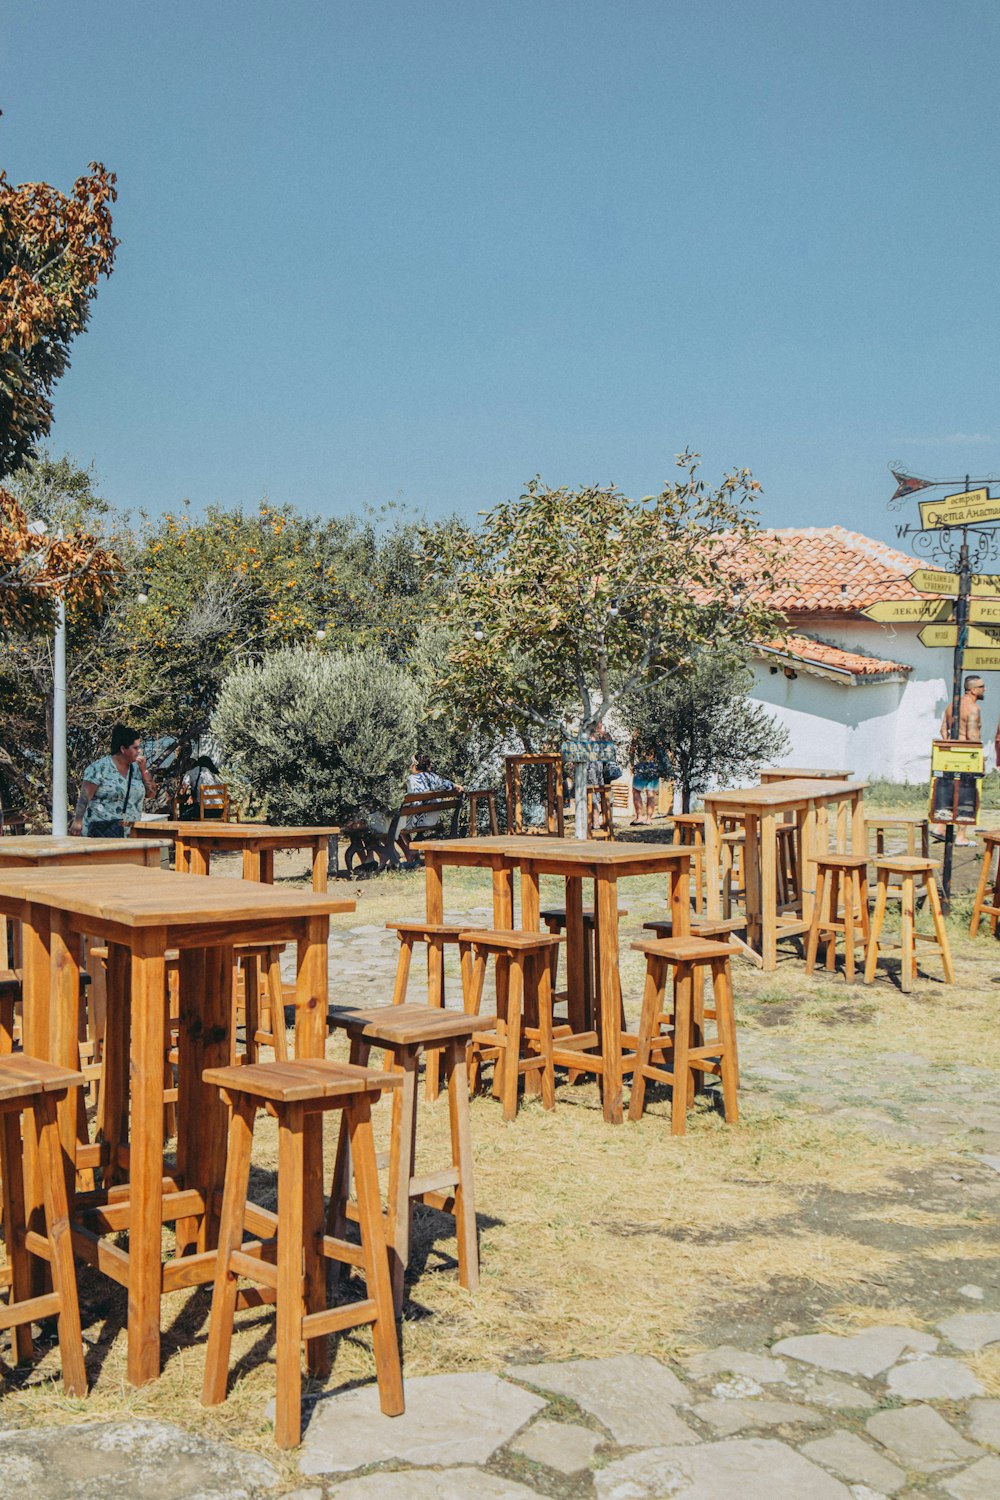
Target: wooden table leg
(320, 861)
(182, 857)
(606, 920)
(204, 1040)
(530, 922)
(37, 1042)
(712, 861)
(251, 864)
(679, 899)
(859, 837)
(64, 951)
(580, 1004)
(146, 1155)
(267, 866)
(199, 859)
(769, 891)
(751, 878)
(311, 1002)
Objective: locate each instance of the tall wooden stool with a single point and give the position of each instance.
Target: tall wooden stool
(908, 869)
(259, 967)
(980, 906)
(408, 1032)
(290, 1264)
(520, 1041)
(437, 936)
(787, 873)
(913, 828)
(580, 1009)
(27, 1084)
(684, 1039)
(689, 832)
(490, 798)
(846, 875)
(732, 859)
(603, 797)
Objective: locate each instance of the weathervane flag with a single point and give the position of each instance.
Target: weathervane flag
(908, 484)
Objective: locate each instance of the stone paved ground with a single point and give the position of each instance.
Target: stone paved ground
(773, 1405)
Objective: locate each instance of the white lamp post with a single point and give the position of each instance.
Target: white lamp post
(60, 794)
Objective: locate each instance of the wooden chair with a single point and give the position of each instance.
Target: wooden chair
(519, 1041)
(288, 1261)
(438, 936)
(909, 869)
(911, 827)
(29, 1085)
(846, 875)
(981, 906)
(787, 873)
(689, 832)
(12, 822)
(602, 794)
(408, 1033)
(490, 799)
(214, 801)
(684, 1017)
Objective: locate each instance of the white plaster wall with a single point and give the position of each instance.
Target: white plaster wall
(883, 730)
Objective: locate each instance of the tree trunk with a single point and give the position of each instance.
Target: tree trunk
(581, 823)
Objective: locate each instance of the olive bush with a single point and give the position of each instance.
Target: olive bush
(316, 735)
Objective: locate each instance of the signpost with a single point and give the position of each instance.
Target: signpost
(947, 635)
(951, 622)
(966, 509)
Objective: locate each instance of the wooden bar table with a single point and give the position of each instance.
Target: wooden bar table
(575, 861)
(46, 852)
(800, 773)
(196, 842)
(806, 801)
(140, 917)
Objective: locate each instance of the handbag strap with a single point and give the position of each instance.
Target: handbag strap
(128, 788)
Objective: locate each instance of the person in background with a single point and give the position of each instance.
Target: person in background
(204, 772)
(645, 780)
(422, 779)
(970, 729)
(113, 789)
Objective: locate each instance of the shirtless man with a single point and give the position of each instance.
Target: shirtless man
(970, 728)
(970, 715)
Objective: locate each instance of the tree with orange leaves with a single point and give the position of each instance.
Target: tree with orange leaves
(36, 568)
(54, 247)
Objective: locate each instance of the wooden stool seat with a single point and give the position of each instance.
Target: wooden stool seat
(684, 1019)
(526, 1017)
(31, 1085)
(287, 1256)
(908, 869)
(423, 930)
(408, 1031)
(910, 824)
(980, 906)
(847, 873)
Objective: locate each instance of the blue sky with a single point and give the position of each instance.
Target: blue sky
(424, 249)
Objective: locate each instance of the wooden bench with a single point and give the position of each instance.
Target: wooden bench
(387, 850)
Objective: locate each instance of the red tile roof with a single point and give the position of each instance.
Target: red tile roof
(829, 570)
(820, 653)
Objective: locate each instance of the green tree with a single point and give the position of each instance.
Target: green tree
(566, 602)
(54, 247)
(707, 725)
(318, 736)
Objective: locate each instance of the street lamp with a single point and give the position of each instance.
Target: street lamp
(60, 793)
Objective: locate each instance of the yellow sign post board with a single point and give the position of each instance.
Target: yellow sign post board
(984, 611)
(932, 581)
(981, 660)
(960, 510)
(910, 611)
(947, 635)
(957, 755)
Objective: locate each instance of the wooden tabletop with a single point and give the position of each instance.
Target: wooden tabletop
(778, 793)
(217, 828)
(793, 773)
(527, 847)
(45, 848)
(131, 897)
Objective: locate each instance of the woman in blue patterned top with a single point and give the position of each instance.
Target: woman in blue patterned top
(114, 788)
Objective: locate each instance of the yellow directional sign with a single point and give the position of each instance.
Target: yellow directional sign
(981, 661)
(931, 581)
(960, 510)
(947, 635)
(984, 611)
(909, 611)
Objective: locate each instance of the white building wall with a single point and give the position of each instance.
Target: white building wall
(879, 731)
